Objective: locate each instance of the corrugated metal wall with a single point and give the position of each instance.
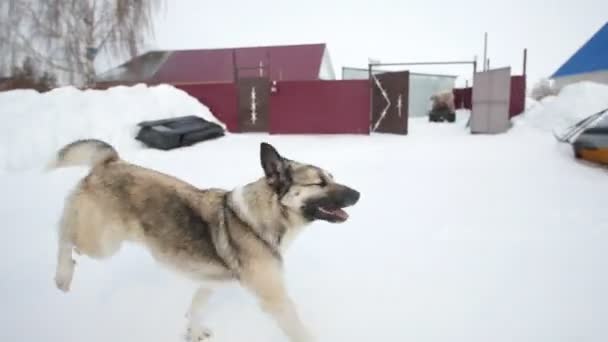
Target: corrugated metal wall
(463, 96)
(518, 95)
(297, 107)
(491, 101)
(317, 107)
(220, 98)
(320, 107)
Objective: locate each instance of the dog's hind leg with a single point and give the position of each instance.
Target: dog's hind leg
(65, 262)
(66, 245)
(65, 267)
(267, 284)
(197, 331)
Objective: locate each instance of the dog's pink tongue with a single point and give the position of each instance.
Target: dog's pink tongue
(343, 215)
(339, 213)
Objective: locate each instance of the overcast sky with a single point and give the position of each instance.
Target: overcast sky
(399, 30)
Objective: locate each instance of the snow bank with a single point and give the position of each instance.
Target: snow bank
(574, 103)
(36, 125)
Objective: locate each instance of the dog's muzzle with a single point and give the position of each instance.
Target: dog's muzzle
(330, 207)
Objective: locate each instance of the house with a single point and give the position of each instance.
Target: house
(589, 63)
(274, 89)
(282, 63)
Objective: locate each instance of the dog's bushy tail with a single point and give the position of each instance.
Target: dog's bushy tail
(85, 152)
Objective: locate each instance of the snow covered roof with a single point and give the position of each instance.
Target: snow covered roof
(592, 56)
(286, 62)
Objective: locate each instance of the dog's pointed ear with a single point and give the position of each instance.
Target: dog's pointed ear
(272, 162)
(275, 167)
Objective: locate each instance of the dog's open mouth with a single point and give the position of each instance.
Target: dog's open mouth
(331, 214)
(331, 207)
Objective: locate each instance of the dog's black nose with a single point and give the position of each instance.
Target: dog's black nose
(352, 196)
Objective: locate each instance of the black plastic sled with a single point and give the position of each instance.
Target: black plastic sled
(167, 134)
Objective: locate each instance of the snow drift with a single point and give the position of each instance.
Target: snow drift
(35, 125)
(574, 103)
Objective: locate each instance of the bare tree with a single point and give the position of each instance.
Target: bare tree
(543, 88)
(66, 36)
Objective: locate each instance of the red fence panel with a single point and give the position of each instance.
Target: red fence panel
(320, 107)
(463, 98)
(518, 95)
(219, 97)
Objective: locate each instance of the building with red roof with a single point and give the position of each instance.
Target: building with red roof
(282, 63)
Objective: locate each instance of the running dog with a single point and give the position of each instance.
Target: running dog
(205, 234)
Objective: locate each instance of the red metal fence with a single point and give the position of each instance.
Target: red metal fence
(463, 96)
(320, 107)
(518, 95)
(220, 98)
(296, 107)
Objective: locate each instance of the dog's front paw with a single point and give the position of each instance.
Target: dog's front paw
(198, 333)
(64, 275)
(62, 284)
(307, 336)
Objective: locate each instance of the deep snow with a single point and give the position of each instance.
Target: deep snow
(35, 125)
(456, 238)
(574, 103)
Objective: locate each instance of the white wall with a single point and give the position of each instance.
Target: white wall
(327, 70)
(596, 76)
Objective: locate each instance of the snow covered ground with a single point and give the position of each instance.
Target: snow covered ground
(36, 125)
(456, 238)
(574, 103)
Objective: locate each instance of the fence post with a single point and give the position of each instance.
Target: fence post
(371, 95)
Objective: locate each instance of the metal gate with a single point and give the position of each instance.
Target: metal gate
(253, 97)
(491, 99)
(390, 93)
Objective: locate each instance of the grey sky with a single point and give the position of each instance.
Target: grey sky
(412, 30)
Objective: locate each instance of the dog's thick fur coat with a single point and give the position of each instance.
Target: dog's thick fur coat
(206, 234)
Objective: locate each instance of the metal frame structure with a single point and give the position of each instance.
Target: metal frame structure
(370, 67)
(411, 73)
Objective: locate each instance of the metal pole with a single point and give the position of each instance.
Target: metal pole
(234, 66)
(525, 61)
(485, 50)
(371, 96)
(420, 63)
(474, 71)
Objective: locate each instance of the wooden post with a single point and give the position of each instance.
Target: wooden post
(234, 66)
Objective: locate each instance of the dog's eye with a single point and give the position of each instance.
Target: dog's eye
(322, 183)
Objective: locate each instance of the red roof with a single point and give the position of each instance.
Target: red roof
(291, 62)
